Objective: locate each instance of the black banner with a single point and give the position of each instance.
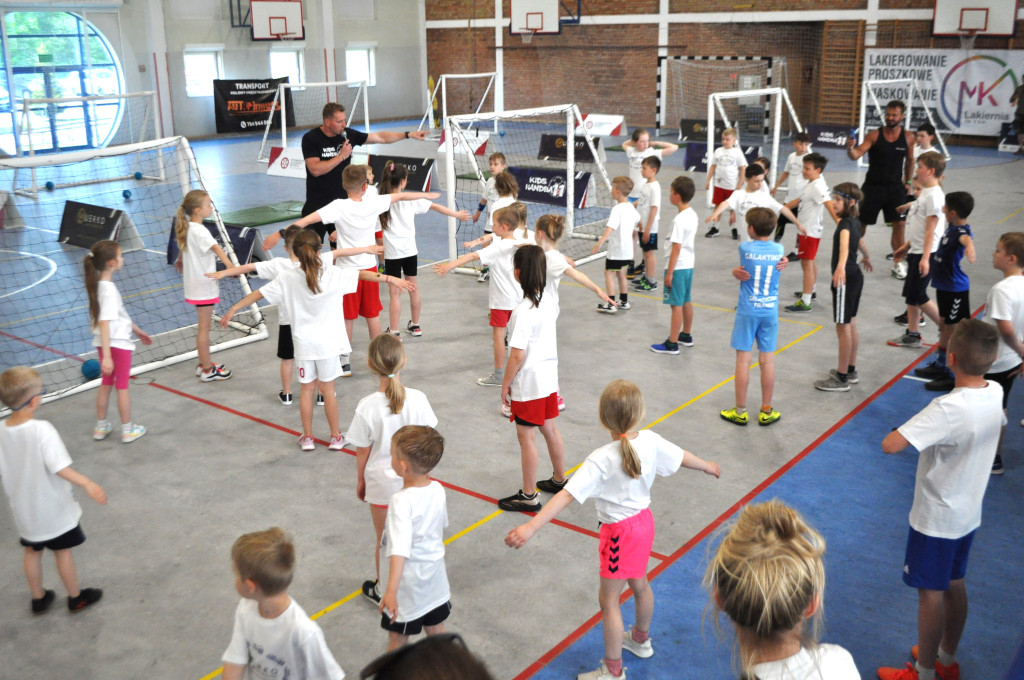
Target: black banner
(537, 185)
(243, 105)
(832, 136)
(552, 147)
(696, 130)
(419, 170)
(83, 225)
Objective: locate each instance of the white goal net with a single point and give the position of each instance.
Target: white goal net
(59, 124)
(458, 93)
(298, 107)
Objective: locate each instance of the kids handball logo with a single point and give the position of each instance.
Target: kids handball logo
(974, 89)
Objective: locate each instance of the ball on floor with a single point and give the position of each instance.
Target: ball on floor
(127, 193)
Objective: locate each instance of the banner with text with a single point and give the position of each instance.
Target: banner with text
(537, 185)
(243, 105)
(967, 92)
(553, 147)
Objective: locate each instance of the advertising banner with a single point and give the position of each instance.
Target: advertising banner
(243, 105)
(553, 147)
(537, 185)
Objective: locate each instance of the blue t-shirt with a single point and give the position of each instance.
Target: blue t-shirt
(759, 295)
(945, 264)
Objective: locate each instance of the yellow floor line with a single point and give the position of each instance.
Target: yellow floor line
(1011, 215)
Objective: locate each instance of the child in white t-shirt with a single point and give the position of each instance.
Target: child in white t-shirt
(752, 195)
(496, 163)
(648, 207)
(272, 637)
(112, 330)
(679, 268)
(377, 417)
(793, 176)
(618, 476)
(639, 147)
(417, 596)
(506, 189)
(198, 253)
(811, 206)
(618, 232)
(726, 170)
(400, 252)
(767, 575)
(46, 514)
(504, 294)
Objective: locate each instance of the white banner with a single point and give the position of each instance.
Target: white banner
(967, 92)
(602, 125)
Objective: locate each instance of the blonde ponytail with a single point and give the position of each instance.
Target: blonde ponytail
(621, 410)
(386, 357)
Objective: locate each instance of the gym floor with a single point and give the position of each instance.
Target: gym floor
(221, 459)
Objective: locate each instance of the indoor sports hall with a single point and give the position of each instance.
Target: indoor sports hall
(112, 110)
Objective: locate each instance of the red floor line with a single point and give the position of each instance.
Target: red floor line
(42, 347)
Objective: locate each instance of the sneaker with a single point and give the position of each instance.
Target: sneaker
(133, 433)
(712, 232)
(932, 371)
(285, 397)
(800, 293)
(642, 649)
(319, 399)
(733, 417)
(639, 281)
(901, 319)
(942, 671)
(908, 672)
(86, 597)
(832, 384)
(768, 417)
(646, 284)
(306, 443)
(906, 340)
(667, 347)
(561, 403)
(735, 234)
(798, 306)
(371, 591)
(484, 276)
(944, 384)
(40, 605)
(605, 308)
(899, 271)
(624, 306)
(685, 339)
(520, 502)
(852, 377)
(346, 371)
(199, 369)
(997, 465)
(216, 372)
(602, 673)
(413, 330)
(102, 430)
(506, 410)
(632, 271)
(489, 381)
(337, 443)
(397, 334)
(889, 257)
(551, 486)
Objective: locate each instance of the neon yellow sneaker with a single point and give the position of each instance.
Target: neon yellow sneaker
(768, 417)
(734, 417)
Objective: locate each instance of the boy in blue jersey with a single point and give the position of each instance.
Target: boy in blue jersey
(757, 314)
(951, 284)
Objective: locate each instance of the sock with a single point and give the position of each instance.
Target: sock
(102, 423)
(851, 369)
(766, 409)
(499, 373)
(623, 297)
(614, 666)
(741, 410)
(806, 298)
(126, 427)
(640, 635)
(924, 673)
(841, 376)
(946, 659)
(940, 358)
(531, 496)
(913, 334)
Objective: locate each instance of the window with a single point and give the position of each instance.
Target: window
(288, 62)
(360, 63)
(203, 65)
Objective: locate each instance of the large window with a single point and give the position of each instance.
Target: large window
(203, 65)
(56, 55)
(360, 63)
(288, 62)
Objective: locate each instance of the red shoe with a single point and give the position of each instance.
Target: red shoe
(906, 673)
(950, 672)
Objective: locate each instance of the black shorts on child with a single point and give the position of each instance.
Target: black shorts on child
(285, 348)
(615, 265)
(953, 307)
(66, 541)
(915, 286)
(434, 617)
(652, 242)
(403, 265)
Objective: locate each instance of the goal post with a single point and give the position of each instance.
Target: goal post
(906, 90)
(467, 92)
(299, 106)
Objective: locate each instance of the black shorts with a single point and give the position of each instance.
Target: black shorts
(1018, 124)
(652, 243)
(846, 300)
(884, 198)
(915, 286)
(434, 617)
(614, 265)
(285, 348)
(65, 541)
(403, 265)
(1005, 380)
(953, 307)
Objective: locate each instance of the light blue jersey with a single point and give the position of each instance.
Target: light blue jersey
(759, 295)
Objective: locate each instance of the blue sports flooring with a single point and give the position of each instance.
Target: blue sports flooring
(855, 496)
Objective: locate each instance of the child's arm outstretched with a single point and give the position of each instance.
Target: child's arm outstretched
(413, 196)
(249, 299)
(385, 278)
(348, 252)
(584, 280)
(791, 216)
(604, 237)
(232, 271)
(692, 462)
(222, 256)
(233, 671)
(389, 600)
(271, 241)
(968, 243)
(78, 479)
(461, 215)
(484, 240)
(719, 209)
(518, 537)
(442, 268)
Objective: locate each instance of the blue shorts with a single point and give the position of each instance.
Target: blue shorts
(679, 293)
(764, 328)
(931, 563)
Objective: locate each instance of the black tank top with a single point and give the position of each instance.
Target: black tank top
(886, 159)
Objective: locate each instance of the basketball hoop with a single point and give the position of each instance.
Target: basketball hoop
(527, 35)
(967, 37)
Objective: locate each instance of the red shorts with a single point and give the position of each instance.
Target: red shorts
(720, 195)
(536, 411)
(122, 367)
(807, 247)
(379, 236)
(500, 317)
(365, 301)
(626, 546)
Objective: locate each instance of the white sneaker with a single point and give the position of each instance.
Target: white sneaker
(490, 381)
(131, 434)
(642, 649)
(104, 428)
(602, 673)
(306, 443)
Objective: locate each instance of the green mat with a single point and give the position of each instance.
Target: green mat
(285, 211)
(614, 148)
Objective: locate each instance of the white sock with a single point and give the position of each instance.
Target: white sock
(946, 659)
(806, 298)
(102, 423)
(126, 427)
(924, 673)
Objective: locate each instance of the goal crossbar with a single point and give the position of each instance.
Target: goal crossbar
(281, 101)
(868, 91)
(427, 122)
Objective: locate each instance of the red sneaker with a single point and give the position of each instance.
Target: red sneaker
(906, 673)
(950, 672)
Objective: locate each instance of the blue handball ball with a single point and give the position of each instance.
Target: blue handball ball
(138, 175)
(91, 369)
(49, 186)
(127, 193)
(501, 133)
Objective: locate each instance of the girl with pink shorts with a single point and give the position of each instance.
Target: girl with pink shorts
(618, 476)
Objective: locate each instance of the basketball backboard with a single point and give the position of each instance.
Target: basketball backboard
(980, 17)
(534, 17)
(277, 20)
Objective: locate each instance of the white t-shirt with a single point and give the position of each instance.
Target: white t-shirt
(918, 151)
(742, 201)
(812, 206)
(957, 435)
(636, 160)
(650, 197)
(317, 320)
(197, 261)
(490, 194)
(414, 529)
(622, 219)
(400, 236)
(496, 205)
(557, 265)
(31, 455)
(271, 269)
(684, 229)
(112, 310)
(727, 164)
(795, 183)
(503, 292)
(824, 662)
(532, 329)
(356, 223)
(1005, 302)
(928, 204)
(288, 646)
(373, 425)
(617, 495)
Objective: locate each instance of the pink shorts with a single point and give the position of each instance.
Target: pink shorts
(499, 317)
(807, 247)
(122, 367)
(365, 301)
(203, 303)
(626, 546)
